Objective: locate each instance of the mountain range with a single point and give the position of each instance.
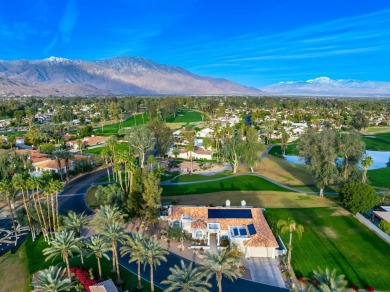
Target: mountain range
(136, 75)
(116, 76)
(324, 86)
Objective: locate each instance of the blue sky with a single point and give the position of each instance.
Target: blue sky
(254, 42)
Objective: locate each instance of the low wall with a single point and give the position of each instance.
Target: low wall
(373, 227)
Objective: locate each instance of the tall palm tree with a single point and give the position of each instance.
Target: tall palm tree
(51, 280)
(65, 244)
(367, 162)
(99, 247)
(221, 263)
(75, 222)
(7, 191)
(134, 246)
(105, 156)
(187, 279)
(154, 254)
(32, 183)
(114, 234)
(67, 156)
(290, 226)
(57, 155)
(20, 183)
(329, 281)
(56, 187)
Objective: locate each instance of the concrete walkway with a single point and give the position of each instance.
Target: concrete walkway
(265, 271)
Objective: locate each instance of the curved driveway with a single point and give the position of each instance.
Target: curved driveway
(72, 198)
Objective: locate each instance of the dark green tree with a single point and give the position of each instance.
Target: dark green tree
(359, 121)
(358, 197)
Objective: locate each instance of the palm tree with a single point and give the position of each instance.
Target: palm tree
(75, 222)
(57, 155)
(367, 162)
(187, 279)
(56, 187)
(329, 281)
(32, 183)
(221, 263)
(290, 225)
(65, 244)
(105, 156)
(154, 254)
(114, 233)
(20, 183)
(52, 280)
(107, 215)
(8, 193)
(134, 246)
(99, 247)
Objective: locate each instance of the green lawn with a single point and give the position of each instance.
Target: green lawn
(290, 150)
(14, 274)
(36, 262)
(334, 238)
(239, 183)
(379, 177)
(377, 142)
(185, 116)
(199, 177)
(98, 150)
(130, 122)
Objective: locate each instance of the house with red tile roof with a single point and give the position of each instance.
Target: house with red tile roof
(87, 142)
(246, 227)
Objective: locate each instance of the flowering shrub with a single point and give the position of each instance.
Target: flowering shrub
(354, 287)
(370, 288)
(83, 276)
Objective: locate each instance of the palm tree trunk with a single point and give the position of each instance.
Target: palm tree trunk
(39, 217)
(99, 268)
(289, 251)
(139, 286)
(13, 219)
(53, 212)
(151, 278)
(27, 212)
(41, 211)
(67, 265)
(57, 215)
(113, 247)
(48, 214)
(218, 275)
(364, 176)
(118, 272)
(108, 172)
(59, 168)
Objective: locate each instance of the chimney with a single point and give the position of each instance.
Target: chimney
(227, 203)
(243, 203)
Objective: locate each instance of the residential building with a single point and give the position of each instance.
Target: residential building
(246, 227)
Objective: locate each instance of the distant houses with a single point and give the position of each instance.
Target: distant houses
(87, 142)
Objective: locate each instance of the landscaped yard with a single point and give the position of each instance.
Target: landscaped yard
(13, 272)
(185, 116)
(238, 183)
(379, 177)
(377, 142)
(199, 177)
(291, 149)
(374, 130)
(266, 199)
(334, 238)
(130, 122)
(36, 262)
(281, 171)
(98, 150)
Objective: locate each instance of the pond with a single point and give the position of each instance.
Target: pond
(380, 158)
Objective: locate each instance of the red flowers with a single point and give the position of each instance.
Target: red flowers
(83, 277)
(370, 288)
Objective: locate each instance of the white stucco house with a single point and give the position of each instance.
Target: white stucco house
(246, 227)
(198, 153)
(205, 133)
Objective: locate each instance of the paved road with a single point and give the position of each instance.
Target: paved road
(73, 195)
(72, 198)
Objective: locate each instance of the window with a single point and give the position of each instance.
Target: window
(199, 234)
(176, 223)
